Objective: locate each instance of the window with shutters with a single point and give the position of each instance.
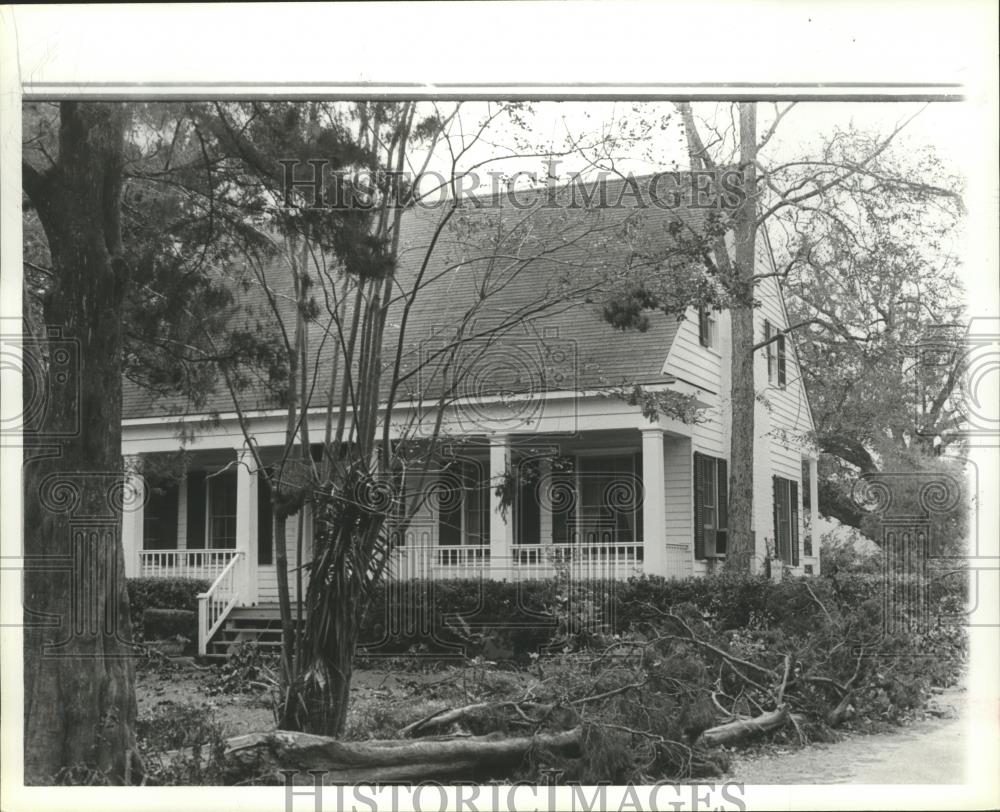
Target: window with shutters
(777, 371)
(711, 504)
(786, 520)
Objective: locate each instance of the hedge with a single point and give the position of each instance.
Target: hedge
(163, 593)
(162, 624)
(516, 619)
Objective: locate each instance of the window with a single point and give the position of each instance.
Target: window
(786, 520)
(159, 518)
(711, 506)
(211, 510)
(464, 512)
(222, 510)
(706, 327)
(265, 521)
(527, 512)
(597, 501)
(776, 364)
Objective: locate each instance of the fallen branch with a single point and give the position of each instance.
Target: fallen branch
(388, 760)
(569, 717)
(742, 728)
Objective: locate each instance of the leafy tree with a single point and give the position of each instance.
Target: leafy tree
(773, 192)
(872, 277)
(79, 693)
(113, 279)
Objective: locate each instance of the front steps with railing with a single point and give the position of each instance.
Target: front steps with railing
(260, 625)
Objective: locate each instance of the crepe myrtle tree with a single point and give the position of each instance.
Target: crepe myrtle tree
(726, 246)
(344, 269)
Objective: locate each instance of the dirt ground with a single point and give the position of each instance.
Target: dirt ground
(382, 698)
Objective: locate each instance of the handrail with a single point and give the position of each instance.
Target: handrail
(215, 604)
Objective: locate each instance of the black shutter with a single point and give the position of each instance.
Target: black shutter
(699, 522)
(265, 521)
(769, 349)
(722, 534)
(793, 503)
(781, 360)
(776, 512)
(196, 510)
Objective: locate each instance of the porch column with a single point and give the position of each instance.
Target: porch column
(814, 509)
(654, 521)
(246, 523)
(501, 529)
(132, 515)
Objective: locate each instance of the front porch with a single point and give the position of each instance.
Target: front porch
(604, 505)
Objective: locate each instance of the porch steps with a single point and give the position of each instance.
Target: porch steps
(257, 624)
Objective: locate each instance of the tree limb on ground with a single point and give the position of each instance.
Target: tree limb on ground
(388, 760)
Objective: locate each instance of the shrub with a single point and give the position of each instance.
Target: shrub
(247, 669)
(164, 593)
(172, 727)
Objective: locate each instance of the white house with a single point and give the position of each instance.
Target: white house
(630, 496)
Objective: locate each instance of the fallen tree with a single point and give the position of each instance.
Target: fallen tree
(661, 698)
(394, 760)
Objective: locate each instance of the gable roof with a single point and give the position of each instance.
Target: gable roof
(537, 263)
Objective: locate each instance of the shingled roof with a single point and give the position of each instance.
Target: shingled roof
(538, 262)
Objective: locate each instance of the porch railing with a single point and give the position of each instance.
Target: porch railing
(525, 562)
(597, 561)
(215, 605)
(205, 564)
(441, 562)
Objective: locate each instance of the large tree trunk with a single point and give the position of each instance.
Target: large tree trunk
(736, 275)
(740, 550)
(79, 681)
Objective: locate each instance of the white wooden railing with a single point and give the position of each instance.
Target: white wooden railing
(215, 605)
(204, 564)
(441, 562)
(616, 561)
(596, 561)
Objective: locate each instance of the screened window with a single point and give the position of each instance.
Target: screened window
(598, 501)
